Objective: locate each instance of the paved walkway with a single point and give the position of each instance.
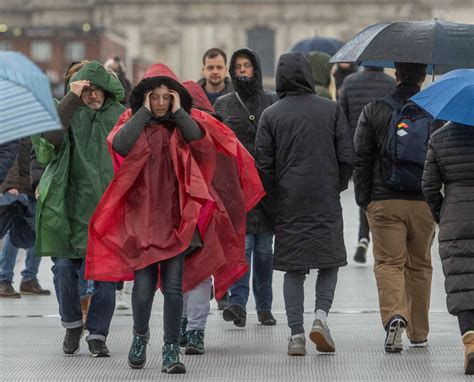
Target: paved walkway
(31, 338)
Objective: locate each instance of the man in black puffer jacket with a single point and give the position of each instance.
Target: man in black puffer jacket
(241, 111)
(400, 221)
(358, 90)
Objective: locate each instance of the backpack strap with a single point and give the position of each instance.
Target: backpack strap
(392, 102)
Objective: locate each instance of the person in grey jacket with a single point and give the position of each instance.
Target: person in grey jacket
(449, 165)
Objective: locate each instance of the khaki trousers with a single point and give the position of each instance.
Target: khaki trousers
(402, 234)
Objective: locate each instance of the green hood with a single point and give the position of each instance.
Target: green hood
(320, 67)
(78, 173)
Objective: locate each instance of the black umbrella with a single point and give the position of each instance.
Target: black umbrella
(440, 44)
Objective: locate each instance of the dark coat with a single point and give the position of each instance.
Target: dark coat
(8, 153)
(19, 174)
(372, 165)
(228, 108)
(450, 163)
(359, 89)
(305, 156)
(228, 88)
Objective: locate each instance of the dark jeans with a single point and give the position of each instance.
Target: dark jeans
(293, 293)
(466, 320)
(364, 230)
(143, 292)
(260, 246)
(66, 283)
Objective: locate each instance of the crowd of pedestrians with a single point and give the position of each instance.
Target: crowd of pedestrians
(198, 188)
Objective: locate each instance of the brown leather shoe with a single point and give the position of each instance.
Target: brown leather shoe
(33, 287)
(7, 291)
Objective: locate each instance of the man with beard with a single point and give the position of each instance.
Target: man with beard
(214, 70)
(241, 110)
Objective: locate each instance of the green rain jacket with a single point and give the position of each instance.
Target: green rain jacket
(321, 69)
(78, 172)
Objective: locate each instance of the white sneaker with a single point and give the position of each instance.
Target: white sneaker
(120, 303)
(419, 344)
(127, 287)
(297, 345)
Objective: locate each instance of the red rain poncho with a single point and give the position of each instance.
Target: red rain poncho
(163, 190)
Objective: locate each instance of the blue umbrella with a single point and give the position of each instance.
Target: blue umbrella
(327, 45)
(26, 102)
(451, 98)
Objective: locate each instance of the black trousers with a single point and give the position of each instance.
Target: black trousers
(364, 229)
(466, 320)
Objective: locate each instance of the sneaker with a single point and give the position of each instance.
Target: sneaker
(361, 252)
(137, 352)
(7, 291)
(182, 332)
(33, 287)
(393, 340)
(98, 348)
(236, 314)
(223, 302)
(120, 303)
(195, 342)
(419, 344)
(171, 363)
(321, 336)
(297, 345)
(72, 340)
(266, 318)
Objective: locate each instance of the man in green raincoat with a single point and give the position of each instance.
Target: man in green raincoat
(79, 170)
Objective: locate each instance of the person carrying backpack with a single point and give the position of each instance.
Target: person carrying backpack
(391, 143)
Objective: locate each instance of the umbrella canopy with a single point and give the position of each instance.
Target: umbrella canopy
(26, 102)
(451, 98)
(321, 44)
(442, 44)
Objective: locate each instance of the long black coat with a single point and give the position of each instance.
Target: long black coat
(262, 217)
(8, 153)
(304, 154)
(450, 162)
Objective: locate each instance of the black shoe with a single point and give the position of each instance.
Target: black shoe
(171, 363)
(223, 302)
(98, 348)
(236, 314)
(393, 339)
(361, 252)
(266, 318)
(137, 353)
(182, 332)
(195, 345)
(72, 340)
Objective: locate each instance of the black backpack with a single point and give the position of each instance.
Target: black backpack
(406, 144)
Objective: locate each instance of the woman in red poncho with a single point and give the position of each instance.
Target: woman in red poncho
(164, 208)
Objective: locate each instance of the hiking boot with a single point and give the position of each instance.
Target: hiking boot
(321, 336)
(182, 332)
(394, 329)
(419, 344)
(468, 340)
(72, 340)
(33, 287)
(223, 302)
(361, 252)
(171, 363)
(120, 303)
(195, 342)
(236, 314)
(266, 318)
(98, 348)
(7, 291)
(137, 352)
(297, 345)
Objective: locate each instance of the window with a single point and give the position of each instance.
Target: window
(262, 41)
(74, 51)
(41, 51)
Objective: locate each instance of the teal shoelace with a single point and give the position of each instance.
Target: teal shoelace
(138, 346)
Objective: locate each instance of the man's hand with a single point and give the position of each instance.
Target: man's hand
(78, 86)
(13, 191)
(146, 101)
(176, 101)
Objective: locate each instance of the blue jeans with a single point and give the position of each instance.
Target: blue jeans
(66, 283)
(143, 292)
(260, 245)
(8, 259)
